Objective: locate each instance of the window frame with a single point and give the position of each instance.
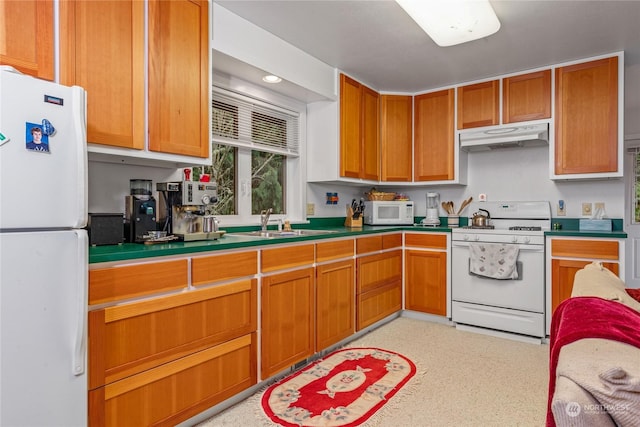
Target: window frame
(295, 174)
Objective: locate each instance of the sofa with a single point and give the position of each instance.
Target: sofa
(594, 353)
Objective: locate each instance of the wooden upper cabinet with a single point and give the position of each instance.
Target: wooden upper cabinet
(27, 37)
(107, 60)
(179, 77)
(434, 136)
(359, 130)
(526, 97)
(396, 122)
(370, 168)
(586, 116)
(479, 104)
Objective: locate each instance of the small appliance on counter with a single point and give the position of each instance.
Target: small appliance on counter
(432, 216)
(188, 205)
(140, 211)
(394, 212)
(105, 229)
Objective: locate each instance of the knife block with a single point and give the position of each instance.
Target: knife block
(350, 221)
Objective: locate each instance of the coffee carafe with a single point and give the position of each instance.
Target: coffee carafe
(140, 211)
(188, 205)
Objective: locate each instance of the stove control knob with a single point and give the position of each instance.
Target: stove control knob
(476, 238)
(514, 239)
(527, 239)
(465, 237)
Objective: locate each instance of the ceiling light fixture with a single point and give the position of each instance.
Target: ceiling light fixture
(271, 79)
(451, 22)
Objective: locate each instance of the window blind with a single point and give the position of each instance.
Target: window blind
(242, 121)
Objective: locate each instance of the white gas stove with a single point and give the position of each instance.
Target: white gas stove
(515, 304)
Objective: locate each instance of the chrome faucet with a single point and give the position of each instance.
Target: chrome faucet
(264, 218)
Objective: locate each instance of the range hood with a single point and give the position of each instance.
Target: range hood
(505, 137)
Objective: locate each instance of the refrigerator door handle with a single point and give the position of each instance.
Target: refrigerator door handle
(79, 106)
(79, 354)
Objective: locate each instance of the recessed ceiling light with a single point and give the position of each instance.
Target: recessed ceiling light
(271, 79)
(451, 22)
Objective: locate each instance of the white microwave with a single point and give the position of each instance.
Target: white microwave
(388, 213)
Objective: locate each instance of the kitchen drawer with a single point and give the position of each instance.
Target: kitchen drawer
(289, 256)
(368, 244)
(135, 280)
(334, 249)
(177, 390)
(426, 240)
(578, 248)
(391, 240)
(378, 304)
(128, 339)
(378, 270)
(215, 268)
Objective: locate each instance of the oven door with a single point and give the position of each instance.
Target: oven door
(524, 293)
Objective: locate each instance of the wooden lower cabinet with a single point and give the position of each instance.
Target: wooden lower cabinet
(288, 322)
(570, 255)
(335, 305)
(163, 360)
(178, 390)
(425, 272)
(379, 286)
(426, 281)
(563, 271)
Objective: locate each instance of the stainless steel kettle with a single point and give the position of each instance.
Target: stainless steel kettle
(480, 220)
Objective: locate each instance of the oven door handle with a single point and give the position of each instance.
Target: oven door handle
(522, 248)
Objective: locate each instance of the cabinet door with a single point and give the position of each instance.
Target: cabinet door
(586, 139)
(335, 304)
(27, 37)
(434, 136)
(478, 104)
(563, 272)
(396, 112)
(359, 130)
(107, 60)
(350, 131)
(526, 97)
(179, 77)
(426, 281)
(370, 168)
(287, 320)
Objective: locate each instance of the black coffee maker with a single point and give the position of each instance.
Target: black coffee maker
(140, 211)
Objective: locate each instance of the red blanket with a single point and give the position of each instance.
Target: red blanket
(588, 317)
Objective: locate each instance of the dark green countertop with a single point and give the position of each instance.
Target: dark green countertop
(132, 251)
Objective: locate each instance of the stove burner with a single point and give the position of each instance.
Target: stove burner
(525, 228)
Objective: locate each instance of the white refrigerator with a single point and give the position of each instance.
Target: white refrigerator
(43, 252)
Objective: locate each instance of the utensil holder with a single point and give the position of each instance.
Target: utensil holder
(350, 221)
(453, 221)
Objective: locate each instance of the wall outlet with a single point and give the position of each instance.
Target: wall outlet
(311, 208)
(586, 209)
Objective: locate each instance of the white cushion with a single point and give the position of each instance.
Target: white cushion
(596, 280)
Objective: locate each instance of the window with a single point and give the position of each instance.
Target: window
(255, 158)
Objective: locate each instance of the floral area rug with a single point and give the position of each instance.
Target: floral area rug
(344, 388)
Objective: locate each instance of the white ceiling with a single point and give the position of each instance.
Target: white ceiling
(377, 43)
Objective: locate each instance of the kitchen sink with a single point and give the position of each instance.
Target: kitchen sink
(275, 233)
